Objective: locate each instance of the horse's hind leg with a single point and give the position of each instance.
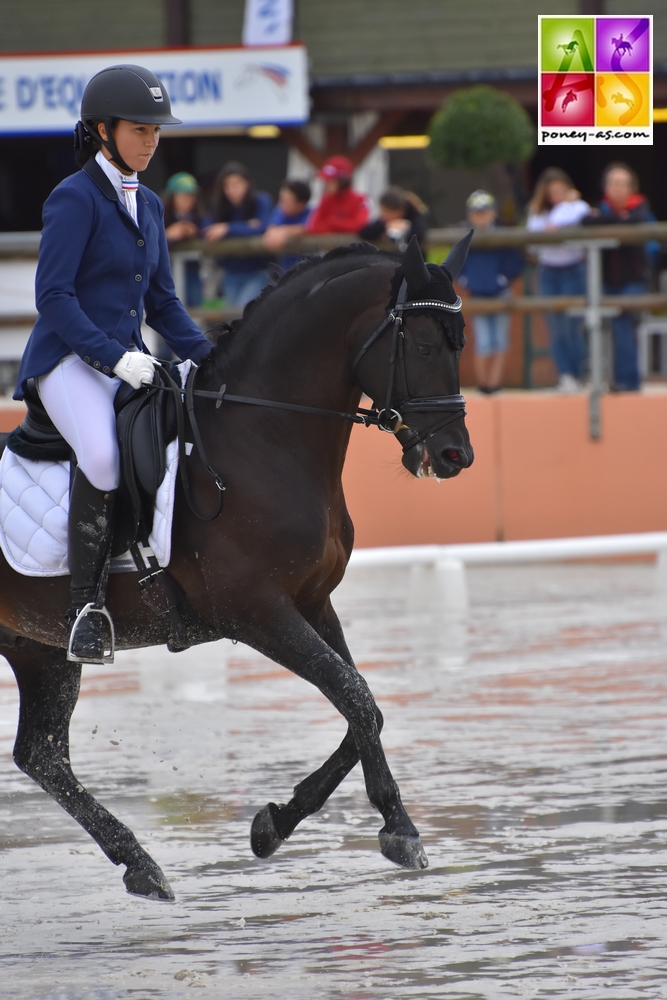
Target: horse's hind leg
(290, 640)
(49, 688)
(274, 824)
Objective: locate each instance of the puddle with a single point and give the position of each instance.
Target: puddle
(529, 741)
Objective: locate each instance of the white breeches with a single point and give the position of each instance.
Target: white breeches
(79, 401)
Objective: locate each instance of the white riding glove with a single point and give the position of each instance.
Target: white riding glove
(136, 368)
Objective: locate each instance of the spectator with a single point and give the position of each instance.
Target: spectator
(488, 273)
(240, 211)
(288, 219)
(562, 270)
(341, 210)
(625, 268)
(183, 219)
(402, 215)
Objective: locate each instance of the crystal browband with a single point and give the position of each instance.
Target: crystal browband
(431, 304)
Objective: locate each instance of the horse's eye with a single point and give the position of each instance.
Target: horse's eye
(422, 349)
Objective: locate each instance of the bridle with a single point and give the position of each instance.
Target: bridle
(388, 418)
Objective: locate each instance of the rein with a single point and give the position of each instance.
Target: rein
(389, 418)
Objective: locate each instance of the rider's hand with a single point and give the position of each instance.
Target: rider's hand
(136, 368)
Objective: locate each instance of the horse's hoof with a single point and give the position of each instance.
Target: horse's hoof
(148, 882)
(264, 838)
(403, 850)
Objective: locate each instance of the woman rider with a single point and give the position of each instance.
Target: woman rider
(103, 261)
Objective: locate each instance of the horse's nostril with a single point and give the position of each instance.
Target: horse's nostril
(452, 454)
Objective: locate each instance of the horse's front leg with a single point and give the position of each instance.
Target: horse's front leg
(287, 638)
(49, 689)
(275, 823)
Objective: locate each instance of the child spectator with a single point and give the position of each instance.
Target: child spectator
(240, 211)
(183, 220)
(402, 215)
(488, 274)
(288, 219)
(341, 210)
(562, 270)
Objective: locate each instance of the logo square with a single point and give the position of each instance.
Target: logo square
(622, 45)
(567, 44)
(568, 99)
(623, 99)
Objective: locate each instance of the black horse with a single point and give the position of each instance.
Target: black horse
(262, 572)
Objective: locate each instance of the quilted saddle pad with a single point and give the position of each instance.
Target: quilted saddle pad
(34, 501)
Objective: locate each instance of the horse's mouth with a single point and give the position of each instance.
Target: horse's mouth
(448, 464)
(426, 470)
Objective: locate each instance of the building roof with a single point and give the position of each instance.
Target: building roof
(351, 43)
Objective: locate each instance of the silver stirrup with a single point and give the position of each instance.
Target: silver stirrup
(108, 655)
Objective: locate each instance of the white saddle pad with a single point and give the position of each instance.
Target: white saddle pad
(34, 501)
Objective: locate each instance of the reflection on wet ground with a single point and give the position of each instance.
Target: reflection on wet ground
(529, 744)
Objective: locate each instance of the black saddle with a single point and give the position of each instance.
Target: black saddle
(145, 424)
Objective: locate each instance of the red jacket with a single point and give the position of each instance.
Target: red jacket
(345, 211)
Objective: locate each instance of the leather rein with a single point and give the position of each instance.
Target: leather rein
(388, 418)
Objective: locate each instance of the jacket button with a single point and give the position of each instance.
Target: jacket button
(137, 277)
(96, 364)
(133, 312)
(106, 369)
(140, 243)
(87, 360)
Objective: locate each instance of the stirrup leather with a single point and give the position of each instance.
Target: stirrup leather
(108, 654)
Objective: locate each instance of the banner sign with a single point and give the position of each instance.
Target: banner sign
(267, 22)
(596, 77)
(208, 88)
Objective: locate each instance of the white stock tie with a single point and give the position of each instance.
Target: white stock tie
(130, 185)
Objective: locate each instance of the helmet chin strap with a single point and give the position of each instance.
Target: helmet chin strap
(110, 144)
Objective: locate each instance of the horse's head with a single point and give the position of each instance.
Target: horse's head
(415, 380)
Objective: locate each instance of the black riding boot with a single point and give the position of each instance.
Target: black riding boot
(90, 527)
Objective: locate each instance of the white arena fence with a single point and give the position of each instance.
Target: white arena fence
(438, 572)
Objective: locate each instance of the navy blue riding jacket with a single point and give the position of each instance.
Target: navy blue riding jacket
(96, 275)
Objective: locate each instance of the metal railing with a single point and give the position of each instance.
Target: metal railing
(593, 308)
(26, 245)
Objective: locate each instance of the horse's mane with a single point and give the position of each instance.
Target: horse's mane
(354, 252)
(224, 335)
(309, 263)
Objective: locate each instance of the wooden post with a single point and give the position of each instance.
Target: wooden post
(177, 22)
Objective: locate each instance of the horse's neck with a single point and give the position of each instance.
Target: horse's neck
(299, 352)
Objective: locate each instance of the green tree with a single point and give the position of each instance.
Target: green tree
(479, 126)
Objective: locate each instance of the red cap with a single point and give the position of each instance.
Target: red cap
(335, 167)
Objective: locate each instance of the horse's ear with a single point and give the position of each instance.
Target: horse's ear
(456, 257)
(415, 270)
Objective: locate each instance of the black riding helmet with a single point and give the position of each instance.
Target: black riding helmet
(129, 92)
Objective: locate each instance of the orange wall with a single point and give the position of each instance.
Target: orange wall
(536, 474)
(11, 417)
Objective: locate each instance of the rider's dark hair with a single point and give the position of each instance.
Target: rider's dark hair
(540, 200)
(87, 142)
(224, 210)
(626, 168)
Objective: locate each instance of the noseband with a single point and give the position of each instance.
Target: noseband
(390, 417)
